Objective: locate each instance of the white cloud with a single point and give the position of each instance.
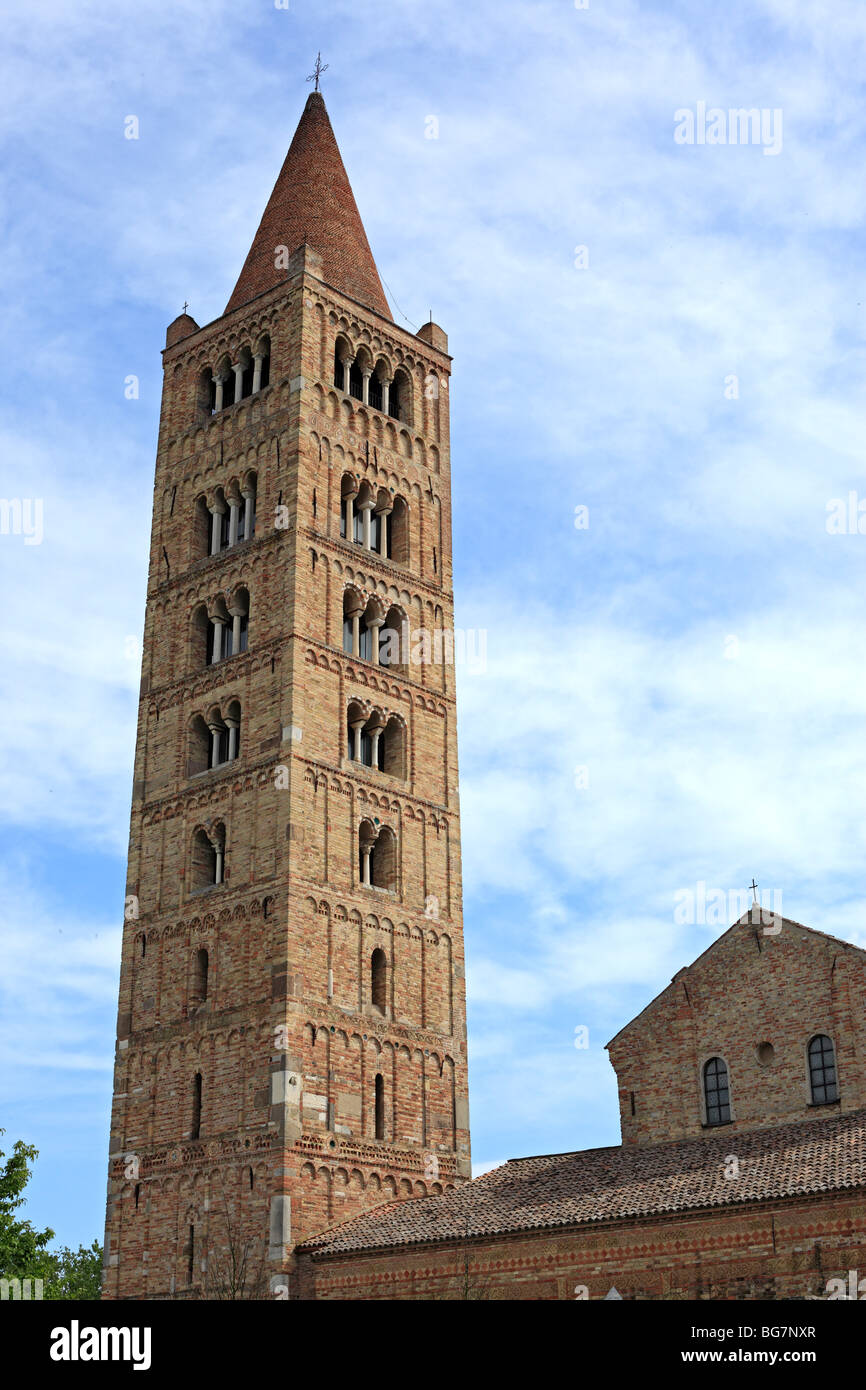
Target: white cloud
(604, 386)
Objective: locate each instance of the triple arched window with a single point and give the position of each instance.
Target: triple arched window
(372, 632)
(221, 630)
(376, 740)
(232, 381)
(374, 519)
(227, 518)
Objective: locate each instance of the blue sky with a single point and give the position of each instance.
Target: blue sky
(698, 648)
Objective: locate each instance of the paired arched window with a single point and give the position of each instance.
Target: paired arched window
(232, 381)
(823, 1084)
(221, 632)
(357, 635)
(374, 519)
(207, 868)
(717, 1096)
(214, 741)
(377, 856)
(375, 740)
(228, 519)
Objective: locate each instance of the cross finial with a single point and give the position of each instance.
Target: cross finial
(754, 887)
(317, 71)
(185, 306)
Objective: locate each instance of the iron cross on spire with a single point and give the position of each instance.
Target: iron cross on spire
(754, 887)
(317, 72)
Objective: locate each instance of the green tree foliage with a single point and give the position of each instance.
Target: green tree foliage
(21, 1247)
(24, 1252)
(74, 1273)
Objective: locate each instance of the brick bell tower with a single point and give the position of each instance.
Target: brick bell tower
(291, 1036)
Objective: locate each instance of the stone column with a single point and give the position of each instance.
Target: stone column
(366, 851)
(234, 515)
(249, 513)
(218, 648)
(217, 511)
(375, 735)
(346, 364)
(355, 615)
(218, 877)
(218, 396)
(365, 386)
(214, 745)
(374, 624)
(366, 509)
(258, 362)
(232, 725)
(383, 530)
(356, 727)
(237, 614)
(238, 370)
(386, 389)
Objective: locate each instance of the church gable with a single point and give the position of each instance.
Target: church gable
(764, 1028)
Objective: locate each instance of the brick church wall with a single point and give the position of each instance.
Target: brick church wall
(770, 1251)
(776, 984)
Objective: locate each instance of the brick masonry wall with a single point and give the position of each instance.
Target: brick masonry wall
(750, 988)
(288, 1042)
(775, 1250)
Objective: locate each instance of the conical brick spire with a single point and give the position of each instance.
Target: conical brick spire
(312, 201)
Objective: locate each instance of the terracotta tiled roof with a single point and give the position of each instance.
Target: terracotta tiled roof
(312, 201)
(620, 1184)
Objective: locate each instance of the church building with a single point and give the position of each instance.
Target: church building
(741, 1172)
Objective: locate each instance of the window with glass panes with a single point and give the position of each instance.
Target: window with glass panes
(822, 1070)
(716, 1092)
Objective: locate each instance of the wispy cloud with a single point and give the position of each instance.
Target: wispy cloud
(695, 649)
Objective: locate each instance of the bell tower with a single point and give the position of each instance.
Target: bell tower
(291, 1036)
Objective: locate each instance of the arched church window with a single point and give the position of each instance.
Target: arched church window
(717, 1096)
(822, 1070)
